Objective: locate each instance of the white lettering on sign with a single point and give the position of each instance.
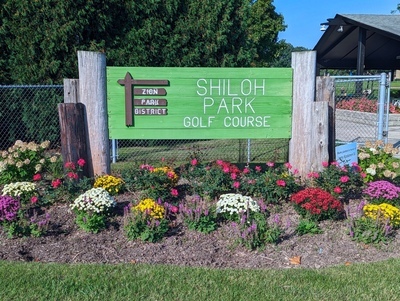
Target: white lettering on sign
(150, 91)
(227, 87)
(146, 111)
(149, 102)
(234, 105)
(228, 122)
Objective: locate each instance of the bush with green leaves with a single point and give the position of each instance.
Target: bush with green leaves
(377, 161)
(22, 161)
(382, 191)
(91, 209)
(231, 206)
(343, 182)
(306, 226)
(198, 214)
(274, 184)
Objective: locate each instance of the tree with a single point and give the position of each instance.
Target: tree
(284, 54)
(39, 39)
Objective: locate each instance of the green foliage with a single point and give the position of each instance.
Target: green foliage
(306, 226)
(275, 184)
(253, 230)
(39, 39)
(344, 183)
(198, 215)
(377, 161)
(140, 225)
(22, 161)
(90, 221)
(370, 231)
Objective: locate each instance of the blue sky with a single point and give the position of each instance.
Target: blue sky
(303, 17)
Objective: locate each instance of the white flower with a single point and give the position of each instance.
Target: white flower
(18, 188)
(236, 203)
(95, 200)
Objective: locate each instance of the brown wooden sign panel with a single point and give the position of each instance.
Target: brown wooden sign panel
(149, 91)
(148, 111)
(150, 102)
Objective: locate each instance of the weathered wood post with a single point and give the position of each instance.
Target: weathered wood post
(308, 147)
(73, 134)
(93, 95)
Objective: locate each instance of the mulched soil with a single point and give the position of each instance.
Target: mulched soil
(65, 243)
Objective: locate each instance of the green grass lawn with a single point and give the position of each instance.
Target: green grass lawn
(37, 281)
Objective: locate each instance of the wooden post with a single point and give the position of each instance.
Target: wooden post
(326, 92)
(308, 145)
(71, 90)
(73, 134)
(92, 93)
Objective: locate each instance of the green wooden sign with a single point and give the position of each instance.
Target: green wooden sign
(199, 103)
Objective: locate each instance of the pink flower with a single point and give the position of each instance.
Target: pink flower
(281, 183)
(56, 183)
(81, 162)
(226, 169)
(270, 164)
(170, 174)
(174, 209)
(288, 165)
(337, 190)
(258, 168)
(174, 192)
(246, 170)
(295, 171)
(72, 175)
(313, 174)
(233, 176)
(70, 165)
(325, 164)
(335, 163)
(363, 175)
(236, 184)
(34, 199)
(194, 162)
(344, 179)
(219, 162)
(37, 177)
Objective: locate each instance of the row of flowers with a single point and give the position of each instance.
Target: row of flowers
(203, 195)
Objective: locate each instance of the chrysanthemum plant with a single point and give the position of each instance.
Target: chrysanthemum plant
(92, 208)
(114, 185)
(147, 220)
(378, 192)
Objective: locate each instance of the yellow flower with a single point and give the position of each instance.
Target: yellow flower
(382, 213)
(151, 208)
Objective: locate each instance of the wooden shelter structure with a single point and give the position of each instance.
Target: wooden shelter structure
(360, 42)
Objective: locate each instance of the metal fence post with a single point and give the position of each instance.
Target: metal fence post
(381, 105)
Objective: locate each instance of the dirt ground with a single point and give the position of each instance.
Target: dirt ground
(65, 243)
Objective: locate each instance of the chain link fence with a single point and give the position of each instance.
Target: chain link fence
(357, 109)
(29, 113)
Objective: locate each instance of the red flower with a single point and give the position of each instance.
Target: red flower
(70, 165)
(236, 185)
(281, 183)
(56, 183)
(72, 175)
(174, 209)
(344, 179)
(81, 162)
(258, 168)
(337, 190)
(174, 192)
(37, 177)
(270, 164)
(34, 199)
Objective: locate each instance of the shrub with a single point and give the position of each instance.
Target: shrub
(25, 191)
(378, 192)
(146, 221)
(253, 230)
(91, 209)
(306, 226)
(275, 184)
(362, 105)
(198, 215)
(22, 161)
(377, 162)
(150, 181)
(317, 204)
(342, 182)
(383, 212)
